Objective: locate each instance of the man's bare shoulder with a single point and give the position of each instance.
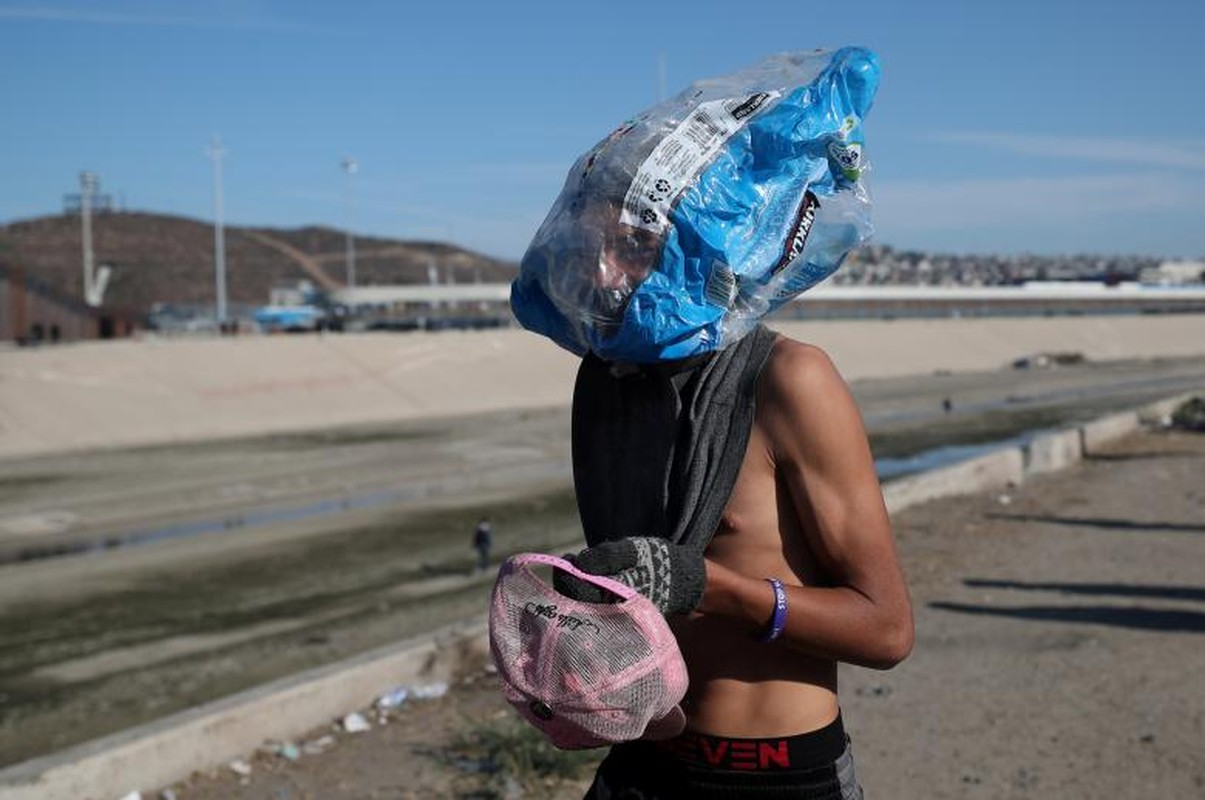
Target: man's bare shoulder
(797, 371)
(805, 406)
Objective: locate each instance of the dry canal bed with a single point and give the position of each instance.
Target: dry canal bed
(122, 634)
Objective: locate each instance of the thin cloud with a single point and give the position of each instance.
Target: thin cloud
(503, 233)
(1009, 202)
(1142, 152)
(87, 17)
(364, 204)
(526, 173)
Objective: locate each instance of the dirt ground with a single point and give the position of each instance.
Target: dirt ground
(1058, 654)
(362, 539)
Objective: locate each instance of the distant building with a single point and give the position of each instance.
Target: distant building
(298, 294)
(1174, 273)
(32, 312)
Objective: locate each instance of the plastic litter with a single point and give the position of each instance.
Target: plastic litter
(133, 796)
(691, 221)
(430, 691)
(240, 767)
(318, 745)
(355, 723)
(289, 751)
(168, 794)
(393, 698)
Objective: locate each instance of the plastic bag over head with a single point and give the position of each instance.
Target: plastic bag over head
(690, 222)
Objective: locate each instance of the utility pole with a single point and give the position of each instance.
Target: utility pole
(95, 280)
(351, 167)
(216, 152)
(87, 184)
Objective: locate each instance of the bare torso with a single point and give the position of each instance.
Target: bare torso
(738, 685)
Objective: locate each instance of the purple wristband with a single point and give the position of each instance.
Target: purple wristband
(779, 621)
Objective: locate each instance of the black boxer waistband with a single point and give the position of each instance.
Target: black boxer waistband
(800, 752)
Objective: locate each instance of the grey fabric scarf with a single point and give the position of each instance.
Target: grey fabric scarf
(657, 447)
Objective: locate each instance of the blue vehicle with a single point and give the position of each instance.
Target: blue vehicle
(289, 319)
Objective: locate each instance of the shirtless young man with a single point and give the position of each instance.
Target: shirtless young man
(763, 717)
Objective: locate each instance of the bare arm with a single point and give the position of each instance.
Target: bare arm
(819, 447)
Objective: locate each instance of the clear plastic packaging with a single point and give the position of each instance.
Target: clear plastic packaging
(693, 220)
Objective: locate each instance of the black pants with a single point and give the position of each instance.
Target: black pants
(812, 766)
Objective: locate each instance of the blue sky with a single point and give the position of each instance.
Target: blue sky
(1049, 127)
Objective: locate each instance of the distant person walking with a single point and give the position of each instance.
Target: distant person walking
(483, 540)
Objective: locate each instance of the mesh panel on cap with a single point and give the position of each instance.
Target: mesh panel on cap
(597, 667)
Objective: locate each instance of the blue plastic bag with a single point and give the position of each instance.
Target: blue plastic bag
(690, 222)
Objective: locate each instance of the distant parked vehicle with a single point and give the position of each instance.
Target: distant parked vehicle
(289, 319)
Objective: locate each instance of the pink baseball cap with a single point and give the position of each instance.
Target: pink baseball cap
(586, 674)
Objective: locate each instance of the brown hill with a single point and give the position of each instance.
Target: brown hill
(165, 259)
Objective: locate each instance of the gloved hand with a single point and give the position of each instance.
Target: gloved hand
(670, 575)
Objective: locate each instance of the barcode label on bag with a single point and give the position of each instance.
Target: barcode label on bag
(681, 155)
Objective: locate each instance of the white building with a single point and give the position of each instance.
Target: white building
(1174, 273)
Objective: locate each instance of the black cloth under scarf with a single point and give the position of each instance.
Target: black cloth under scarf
(657, 447)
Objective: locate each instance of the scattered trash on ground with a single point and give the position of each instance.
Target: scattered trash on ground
(133, 796)
(168, 794)
(393, 698)
(397, 697)
(431, 691)
(316, 746)
(288, 751)
(355, 723)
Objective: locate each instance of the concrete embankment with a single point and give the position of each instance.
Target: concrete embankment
(1043, 453)
(115, 394)
(161, 752)
(207, 736)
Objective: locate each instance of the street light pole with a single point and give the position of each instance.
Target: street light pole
(351, 167)
(216, 152)
(87, 183)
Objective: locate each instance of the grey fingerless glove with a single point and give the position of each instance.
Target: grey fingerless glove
(670, 575)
